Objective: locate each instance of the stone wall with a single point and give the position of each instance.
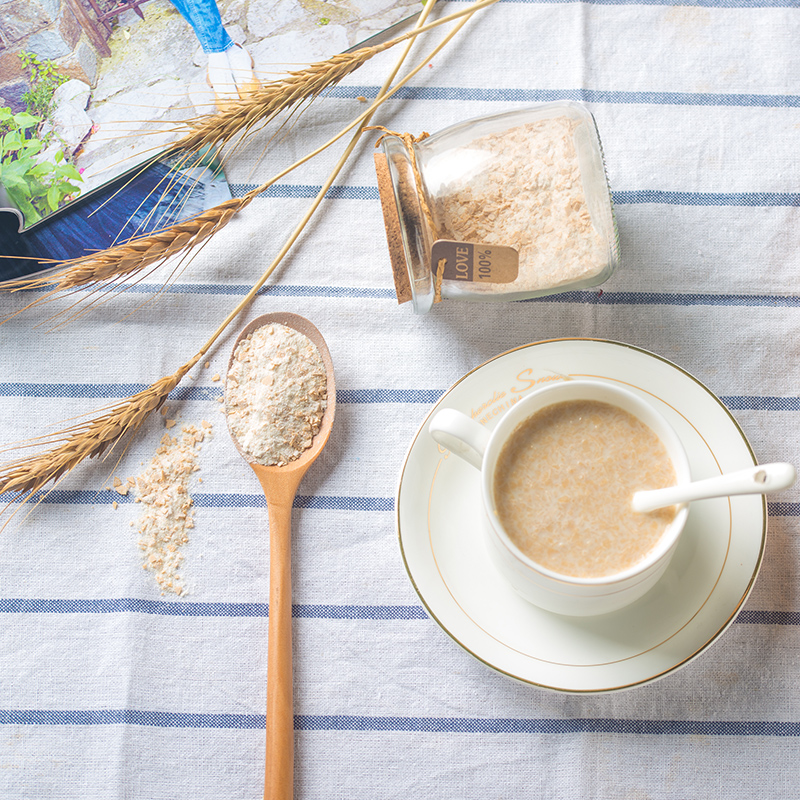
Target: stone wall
(50, 30)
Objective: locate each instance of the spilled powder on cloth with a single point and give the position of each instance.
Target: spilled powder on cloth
(275, 394)
(168, 515)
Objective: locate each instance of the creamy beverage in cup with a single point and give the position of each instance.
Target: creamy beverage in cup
(563, 486)
(558, 475)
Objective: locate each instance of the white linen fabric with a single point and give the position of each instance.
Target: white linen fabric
(109, 690)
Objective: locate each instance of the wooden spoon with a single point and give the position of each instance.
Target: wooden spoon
(280, 486)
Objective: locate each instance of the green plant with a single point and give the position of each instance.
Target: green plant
(35, 186)
(44, 79)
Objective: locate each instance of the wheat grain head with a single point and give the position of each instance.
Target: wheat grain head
(122, 260)
(264, 104)
(88, 440)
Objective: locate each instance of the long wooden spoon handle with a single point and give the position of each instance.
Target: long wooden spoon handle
(279, 776)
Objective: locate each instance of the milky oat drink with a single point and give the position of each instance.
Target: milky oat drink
(558, 475)
(563, 485)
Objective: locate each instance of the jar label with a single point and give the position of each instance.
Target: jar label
(476, 263)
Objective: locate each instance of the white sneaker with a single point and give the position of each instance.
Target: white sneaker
(240, 62)
(220, 78)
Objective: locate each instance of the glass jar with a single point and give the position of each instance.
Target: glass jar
(504, 207)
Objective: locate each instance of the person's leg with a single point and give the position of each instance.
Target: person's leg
(204, 17)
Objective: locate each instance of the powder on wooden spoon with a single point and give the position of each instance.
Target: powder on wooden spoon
(275, 394)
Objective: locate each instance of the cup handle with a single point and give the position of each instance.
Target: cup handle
(460, 435)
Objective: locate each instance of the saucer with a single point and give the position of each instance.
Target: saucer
(439, 523)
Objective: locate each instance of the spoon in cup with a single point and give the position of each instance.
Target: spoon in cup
(280, 484)
(761, 479)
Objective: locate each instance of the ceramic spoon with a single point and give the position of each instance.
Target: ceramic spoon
(280, 485)
(761, 479)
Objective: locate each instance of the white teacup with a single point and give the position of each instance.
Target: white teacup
(563, 594)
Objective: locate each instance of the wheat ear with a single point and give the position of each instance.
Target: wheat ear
(122, 260)
(89, 439)
(264, 104)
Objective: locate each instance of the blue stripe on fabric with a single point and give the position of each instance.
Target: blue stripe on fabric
(756, 403)
(241, 289)
(102, 391)
(632, 197)
(782, 509)
(586, 297)
(278, 290)
(343, 396)
(347, 722)
(121, 390)
(371, 396)
(596, 96)
(747, 617)
(646, 727)
(746, 199)
(86, 497)
(315, 502)
(291, 191)
(134, 605)
(601, 297)
(129, 716)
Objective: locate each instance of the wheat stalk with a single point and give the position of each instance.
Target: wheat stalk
(96, 436)
(89, 439)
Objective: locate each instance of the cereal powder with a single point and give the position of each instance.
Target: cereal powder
(526, 192)
(564, 484)
(168, 515)
(275, 394)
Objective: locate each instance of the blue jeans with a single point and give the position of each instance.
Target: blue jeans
(203, 16)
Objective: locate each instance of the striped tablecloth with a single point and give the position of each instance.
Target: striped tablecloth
(111, 690)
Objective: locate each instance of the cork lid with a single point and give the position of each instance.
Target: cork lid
(394, 235)
(402, 218)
